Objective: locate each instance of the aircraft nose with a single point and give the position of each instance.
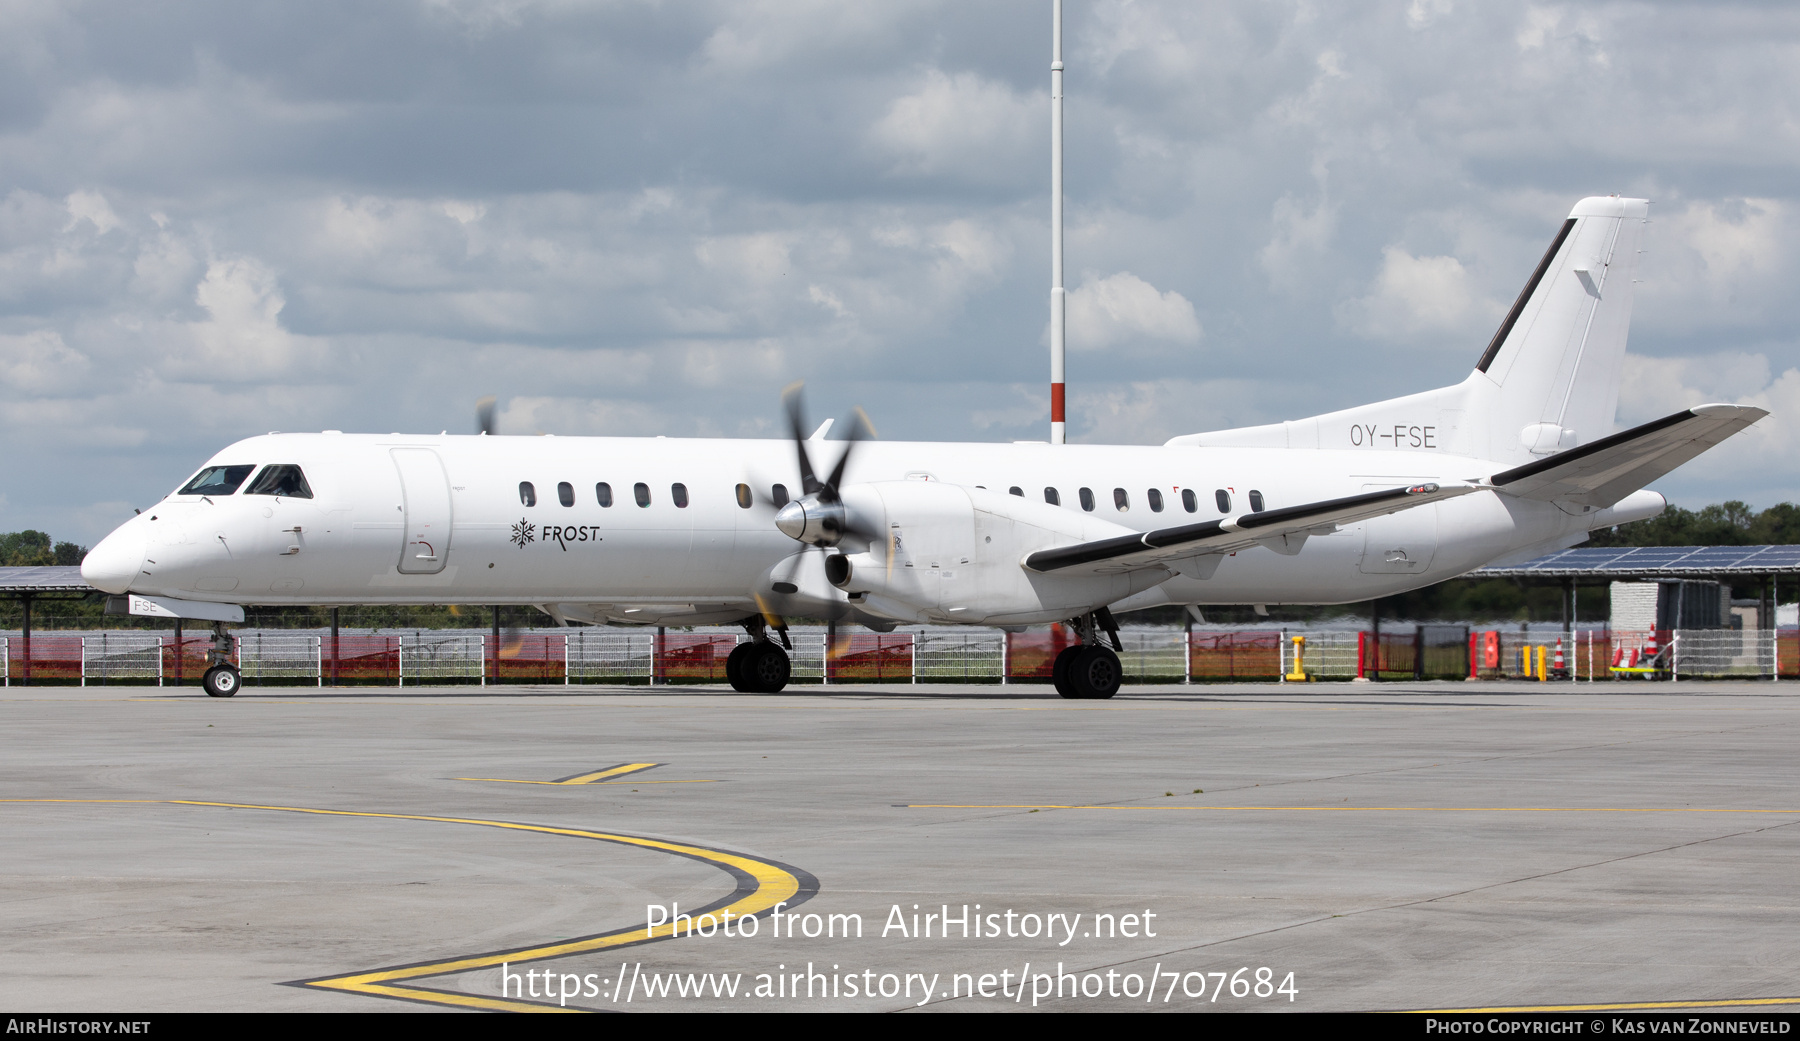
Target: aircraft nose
(114, 563)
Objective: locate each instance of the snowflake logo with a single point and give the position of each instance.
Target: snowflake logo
(523, 532)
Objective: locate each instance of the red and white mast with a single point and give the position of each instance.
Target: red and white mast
(1058, 296)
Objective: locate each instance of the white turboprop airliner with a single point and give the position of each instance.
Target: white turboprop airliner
(1517, 460)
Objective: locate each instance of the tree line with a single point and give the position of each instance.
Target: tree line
(34, 549)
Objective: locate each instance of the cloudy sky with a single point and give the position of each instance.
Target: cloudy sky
(218, 219)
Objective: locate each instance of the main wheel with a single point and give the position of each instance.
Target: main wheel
(1059, 671)
(766, 670)
(734, 667)
(221, 681)
(1095, 673)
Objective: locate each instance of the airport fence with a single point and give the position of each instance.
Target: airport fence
(599, 655)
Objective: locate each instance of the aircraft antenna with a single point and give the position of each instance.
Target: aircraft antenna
(1058, 296)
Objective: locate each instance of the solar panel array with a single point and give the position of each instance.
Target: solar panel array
(42, 580)
(1655, 561)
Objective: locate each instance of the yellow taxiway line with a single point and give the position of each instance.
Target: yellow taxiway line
(761, 885)
(609, 775)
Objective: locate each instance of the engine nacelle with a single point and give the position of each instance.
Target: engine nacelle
(950, 553)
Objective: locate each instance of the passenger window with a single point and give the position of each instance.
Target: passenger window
(565, 493)
(1121, 500)
(779, 494)
(1189, 501)
(216, 480)
(1155, 498)
(527, 494)
(1051, 497)
(1016, 490)
(280, 479)
(641, 492)
(603, 494)
(678, 492)
(743, 496)
(1223, 498)
(1256, 501)
(1087, 499)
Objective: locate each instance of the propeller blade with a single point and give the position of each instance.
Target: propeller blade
(809, 483)
(484, 415)
(859, 425)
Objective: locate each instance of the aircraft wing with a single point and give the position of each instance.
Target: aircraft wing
(1602, 473)
(1230, 534)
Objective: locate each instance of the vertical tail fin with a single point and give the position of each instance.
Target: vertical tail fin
(1548, 380)
(1550, 377)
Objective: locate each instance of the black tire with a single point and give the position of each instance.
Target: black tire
(1095, 673)
(221, 681)
(734, 667)
(766, 670)
(1059, 671)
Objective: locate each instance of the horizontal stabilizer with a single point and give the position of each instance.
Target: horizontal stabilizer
(1607, 470)
(1230, 534)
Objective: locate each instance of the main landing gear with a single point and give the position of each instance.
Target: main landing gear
(222, 680)
(1089, 670)
(758, 667)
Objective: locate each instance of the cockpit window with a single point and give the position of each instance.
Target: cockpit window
(280, 479)
(216, 480)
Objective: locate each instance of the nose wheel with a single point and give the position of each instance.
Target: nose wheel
(221, 681)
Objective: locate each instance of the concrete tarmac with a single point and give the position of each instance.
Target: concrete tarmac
(1354, 846)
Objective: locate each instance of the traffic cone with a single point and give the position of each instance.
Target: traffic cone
(1557, 666)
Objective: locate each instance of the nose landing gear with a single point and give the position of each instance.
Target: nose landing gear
(222, 679)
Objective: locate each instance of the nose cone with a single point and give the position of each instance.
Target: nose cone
(791, 519)
(114, 563)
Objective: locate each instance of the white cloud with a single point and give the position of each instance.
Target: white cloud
(1421, 13)
(1415, 296)
(1754, 465)
(961, 125)
(1151, 412)
(243, 338)
(1297, 241)
(1123, 309)
(40, 362)
(1720, 263)
(93, 208)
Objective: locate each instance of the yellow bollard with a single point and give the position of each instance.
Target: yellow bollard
(1299, 673)
(1542, 675)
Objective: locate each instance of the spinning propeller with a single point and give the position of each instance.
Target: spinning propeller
(818, 517)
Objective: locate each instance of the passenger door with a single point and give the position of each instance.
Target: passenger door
(425, 495)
